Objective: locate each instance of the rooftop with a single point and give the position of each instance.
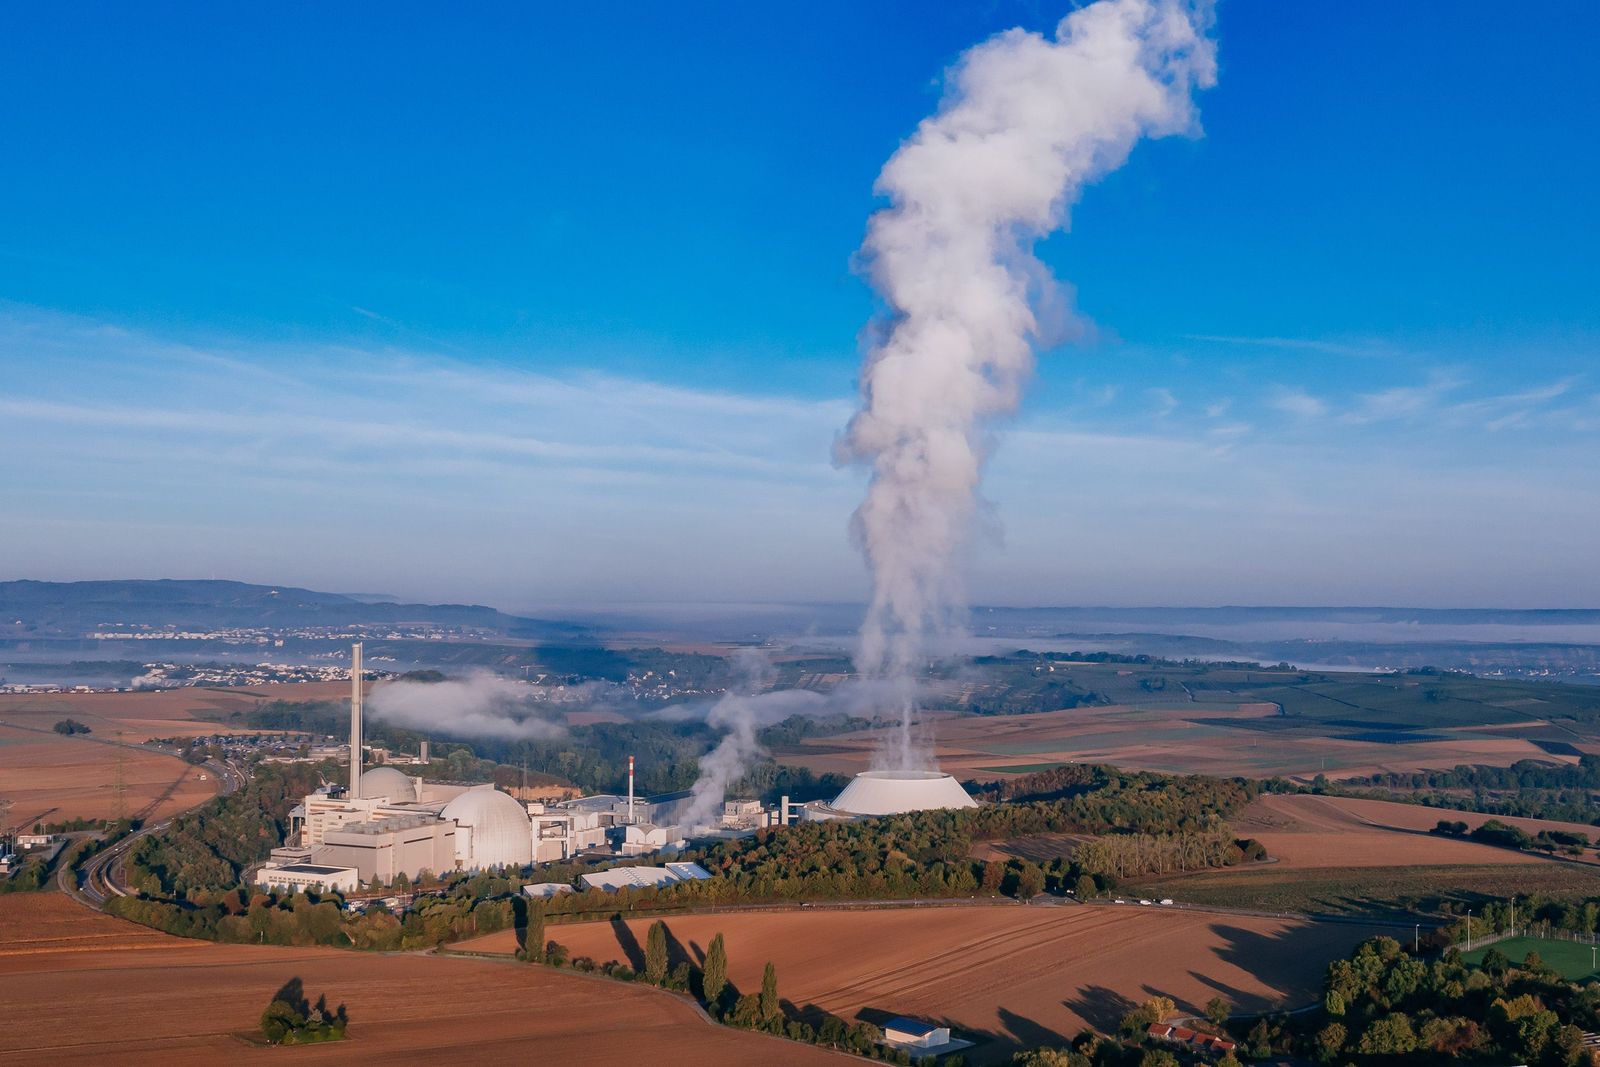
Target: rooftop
(911, 1026)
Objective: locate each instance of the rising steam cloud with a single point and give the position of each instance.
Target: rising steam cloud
(480, 705)
(1025, 123)
(741, 712)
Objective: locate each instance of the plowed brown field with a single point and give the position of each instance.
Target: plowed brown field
(51, 778)
(1339, 832)
(1014, 975)
(93, 989)
(1166, 738)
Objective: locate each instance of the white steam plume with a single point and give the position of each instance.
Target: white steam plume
(742, 711)
(1025, 123)
(480, 705)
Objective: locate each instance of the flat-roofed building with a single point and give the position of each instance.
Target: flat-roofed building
(301, 877)
(644, 877)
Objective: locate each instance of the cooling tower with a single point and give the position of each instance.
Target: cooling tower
(891, 792)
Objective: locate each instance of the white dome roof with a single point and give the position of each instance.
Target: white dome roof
(388, 783)
(500, 832)
(891, 792)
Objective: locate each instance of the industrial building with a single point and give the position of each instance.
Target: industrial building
(386, 823)
(300, 877)
(644, 877)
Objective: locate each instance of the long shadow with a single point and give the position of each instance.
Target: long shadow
(628, 943)
(1031, 1034)
(293, 993)
(1288, 963)
(1100, 1007)
(677, 952)
(519, 920)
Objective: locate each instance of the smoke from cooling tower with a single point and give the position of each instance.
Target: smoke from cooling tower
(480, 705)
(740, 713)
(1026, 122)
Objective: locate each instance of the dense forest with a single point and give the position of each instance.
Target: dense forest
(209, 847)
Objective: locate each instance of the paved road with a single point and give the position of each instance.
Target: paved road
(104, 875)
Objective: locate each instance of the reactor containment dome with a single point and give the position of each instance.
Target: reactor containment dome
(492, 829)
(892, 792)
(386, 783)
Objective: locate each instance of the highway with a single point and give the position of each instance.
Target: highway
(104, 875)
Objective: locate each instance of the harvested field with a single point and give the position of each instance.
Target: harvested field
(98, 990)
(1342, 832)
(1374, 856)
(1020, 975)
(1223, 740)
(1392, 892)
(1320, 832)
(159, 713)
(49, 777)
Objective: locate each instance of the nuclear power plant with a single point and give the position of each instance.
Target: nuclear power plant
(386, 823)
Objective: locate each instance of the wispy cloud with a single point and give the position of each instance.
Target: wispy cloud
(1166, 403)
(1296, 402)
(1358, 348)
(433, 476)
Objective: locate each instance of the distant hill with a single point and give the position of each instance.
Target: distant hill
(74, 608)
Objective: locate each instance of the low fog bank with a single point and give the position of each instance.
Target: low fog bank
(481, 704)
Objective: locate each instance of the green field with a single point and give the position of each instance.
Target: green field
(1388, 891)
(1574, 961)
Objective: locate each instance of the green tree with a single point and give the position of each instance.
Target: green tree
(771, 1009)
(280, 1020)
(1030, 881)
(1330, 1041)
(714, 978)
(1218, 1010)
(1151, 1011)
(1157, 1057)
(1050, 1057)
(1389, 1035)
(1259, 1043)
(1086, 888)
(1333, 1003)
(533, 936)
(655, 953)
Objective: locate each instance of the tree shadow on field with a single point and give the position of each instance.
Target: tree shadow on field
(293, 993)
(1031, 1034)
(628, 944)
(1287, 963)
(519, 921)
(678, 952)
(1100, 1007)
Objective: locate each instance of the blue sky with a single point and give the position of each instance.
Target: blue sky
(541, 307)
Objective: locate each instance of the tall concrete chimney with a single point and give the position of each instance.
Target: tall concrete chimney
(630, 790)
(355, 721)
(424, 754)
